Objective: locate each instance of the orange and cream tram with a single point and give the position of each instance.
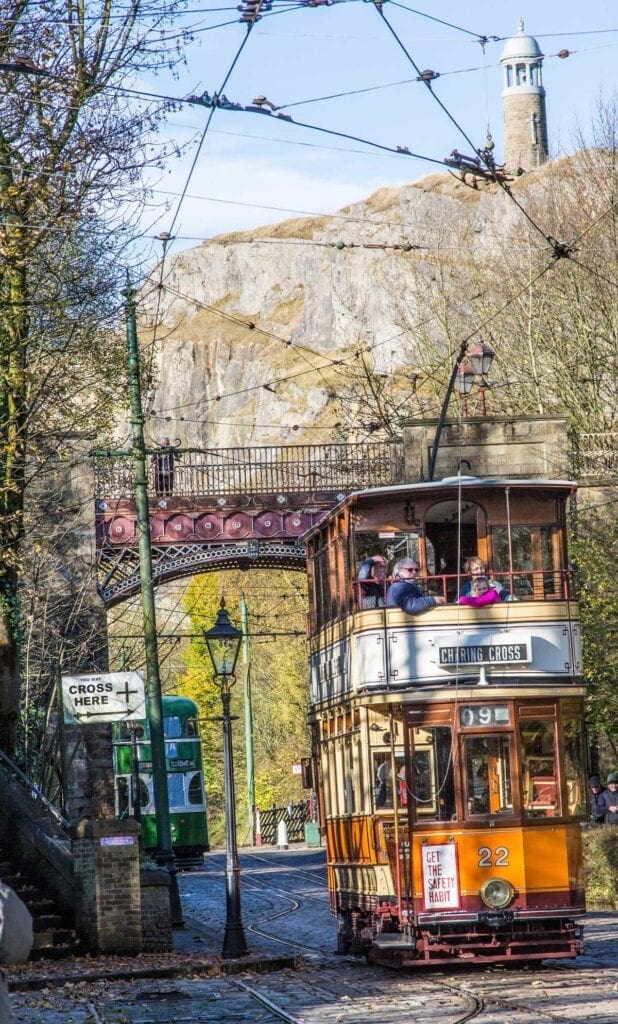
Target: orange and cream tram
(449, 746)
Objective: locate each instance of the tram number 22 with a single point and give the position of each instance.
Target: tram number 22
(498, 858)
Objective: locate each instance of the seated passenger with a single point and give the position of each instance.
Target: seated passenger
(373, 568)
(476, 567)
(406, 594)
(481, 593)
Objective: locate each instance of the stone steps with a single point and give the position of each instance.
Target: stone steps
(54, 933)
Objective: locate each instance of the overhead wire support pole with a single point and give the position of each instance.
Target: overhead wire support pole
(165, 854)
(444, 409)
(244, 625)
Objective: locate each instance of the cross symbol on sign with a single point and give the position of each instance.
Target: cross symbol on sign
(126, 692)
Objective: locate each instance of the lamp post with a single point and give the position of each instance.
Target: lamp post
(463, 376)
(473, 372)
(223, 642)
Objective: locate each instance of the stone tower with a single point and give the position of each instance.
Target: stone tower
(523, 102)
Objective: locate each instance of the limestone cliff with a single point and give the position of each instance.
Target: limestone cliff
(218, 382)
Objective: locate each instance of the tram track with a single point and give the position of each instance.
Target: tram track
(317, 992)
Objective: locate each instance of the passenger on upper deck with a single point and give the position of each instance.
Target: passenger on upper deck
(481, 593)
(374, 568)
(475, 566)
(406, 594)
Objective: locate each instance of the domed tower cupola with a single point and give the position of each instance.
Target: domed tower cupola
(523, 102)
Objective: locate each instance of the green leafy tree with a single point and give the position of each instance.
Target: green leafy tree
(595, 554)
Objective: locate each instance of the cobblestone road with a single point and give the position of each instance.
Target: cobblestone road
(285, 909)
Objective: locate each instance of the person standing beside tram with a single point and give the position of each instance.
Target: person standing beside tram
(608, 800)
(596, 790)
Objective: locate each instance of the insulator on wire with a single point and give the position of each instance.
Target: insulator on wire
(251, 10)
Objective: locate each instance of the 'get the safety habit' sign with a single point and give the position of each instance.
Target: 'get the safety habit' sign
(109, 697)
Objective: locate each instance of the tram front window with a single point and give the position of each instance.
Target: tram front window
(172, 727)
(488, 775)
(539, 769)
(176, 789)
(432, 786)
(195, 792)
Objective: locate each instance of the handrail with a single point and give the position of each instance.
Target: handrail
(522, 585)
(270, 469)
(33, 791)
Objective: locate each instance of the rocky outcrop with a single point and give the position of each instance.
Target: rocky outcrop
(250, 323)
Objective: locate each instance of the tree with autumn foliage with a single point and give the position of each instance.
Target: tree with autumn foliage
(276, 602)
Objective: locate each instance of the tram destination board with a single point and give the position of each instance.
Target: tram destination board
(483, 654)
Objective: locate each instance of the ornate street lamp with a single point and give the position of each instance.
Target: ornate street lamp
(463, 384)
(223, 642)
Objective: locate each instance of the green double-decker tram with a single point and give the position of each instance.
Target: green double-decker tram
(134, 790)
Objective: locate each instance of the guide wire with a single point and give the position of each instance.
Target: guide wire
(378, 6)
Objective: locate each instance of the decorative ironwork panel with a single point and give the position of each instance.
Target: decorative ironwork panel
(120, 568)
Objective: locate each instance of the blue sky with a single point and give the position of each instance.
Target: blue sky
(250, 161)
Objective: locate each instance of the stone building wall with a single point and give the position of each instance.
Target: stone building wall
(522, 447)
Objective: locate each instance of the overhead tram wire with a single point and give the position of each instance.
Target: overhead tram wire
(251, 326)
(560, 249)
(167, 236)
(449, 24)
(214, 103)
(378, 4)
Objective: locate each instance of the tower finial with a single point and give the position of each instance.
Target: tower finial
(520, 24)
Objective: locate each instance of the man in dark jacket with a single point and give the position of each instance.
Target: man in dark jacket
(596, 790)
(404, 593)
(608, 801)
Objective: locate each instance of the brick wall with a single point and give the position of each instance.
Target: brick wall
(156, 916)
(106, 859)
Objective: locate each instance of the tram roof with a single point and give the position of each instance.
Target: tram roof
(455, 482)
(445, 486)
(174, 704)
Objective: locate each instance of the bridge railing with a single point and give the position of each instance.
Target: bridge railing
(271, 469)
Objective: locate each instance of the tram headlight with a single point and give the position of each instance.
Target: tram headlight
(497, 893)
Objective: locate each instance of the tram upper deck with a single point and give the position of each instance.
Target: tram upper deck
(517, 527)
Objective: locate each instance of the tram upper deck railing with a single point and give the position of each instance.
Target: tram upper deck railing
(527, 585)
(272, 469)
